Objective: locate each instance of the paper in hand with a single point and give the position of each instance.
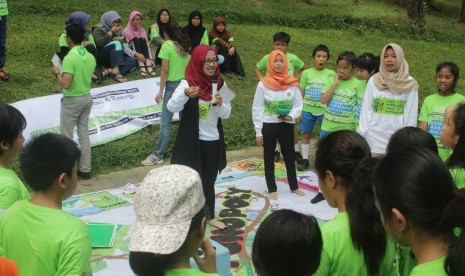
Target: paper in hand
(57, 63)
(226, 94)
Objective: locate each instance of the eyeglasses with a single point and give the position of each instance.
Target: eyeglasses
(212, 61)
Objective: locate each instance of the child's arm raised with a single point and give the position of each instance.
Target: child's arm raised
(328, 94)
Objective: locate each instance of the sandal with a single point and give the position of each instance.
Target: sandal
(120, 78)
(3, 75)
(96, 78)
(143, 70)
(102, 75)
(150, 71)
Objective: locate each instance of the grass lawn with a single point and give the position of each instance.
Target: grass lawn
(34, 26)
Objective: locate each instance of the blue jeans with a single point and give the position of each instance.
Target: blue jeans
(165, 120)
(2, 41)
(112, 55)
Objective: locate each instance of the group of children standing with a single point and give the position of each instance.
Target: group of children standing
(383, 99)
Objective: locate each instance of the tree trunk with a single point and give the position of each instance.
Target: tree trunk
(355, 2)
(462, 14)
(415, 11)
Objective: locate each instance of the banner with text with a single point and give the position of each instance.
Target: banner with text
(118, 110)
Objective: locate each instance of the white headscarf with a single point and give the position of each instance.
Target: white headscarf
(397, 81)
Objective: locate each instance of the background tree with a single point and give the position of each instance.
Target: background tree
(462, 14)
(416, 12)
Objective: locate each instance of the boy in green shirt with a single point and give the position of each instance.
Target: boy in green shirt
(295, 67)
(78, 68)
(12, 124)
(313, 81)
(37, 234)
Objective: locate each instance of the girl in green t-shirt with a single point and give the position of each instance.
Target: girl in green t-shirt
(340, 96)
(432, 111)
(174, 54)
(354, 242)
(421, 207)
(453, 136)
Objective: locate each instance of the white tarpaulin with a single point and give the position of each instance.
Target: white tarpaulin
(119, 110)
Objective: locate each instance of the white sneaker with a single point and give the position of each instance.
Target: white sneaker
(151, 160)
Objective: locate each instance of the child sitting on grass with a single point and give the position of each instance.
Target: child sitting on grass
(12, 124)
(170, 225)
(37, 234)
(222, 39)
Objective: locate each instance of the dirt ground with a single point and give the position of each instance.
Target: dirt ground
(135, 175)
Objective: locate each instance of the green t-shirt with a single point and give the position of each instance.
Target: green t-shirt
(187, 272)
(362, 86)
(458, 174)
(204, 40)
(294, 64)
(44, 241)
(432, 112)
(3, 7)
(12, 189)
(313, 82)
(81, 64)
(154, 32)
(62, 39)
(340, 110)
(176, 63)
(339, 256)
(433, 268)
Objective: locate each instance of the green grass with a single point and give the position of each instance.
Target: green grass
(34, 26)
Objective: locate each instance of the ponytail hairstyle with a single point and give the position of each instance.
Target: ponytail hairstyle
(349, 56)
(453, 68)
(419, 185)
(347, 155)
(457, 158)
(176, 34)
(369, 62)
(409, 138)
(150, 264)
(291, 234)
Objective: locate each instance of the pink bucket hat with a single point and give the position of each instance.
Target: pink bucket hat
(165, 203)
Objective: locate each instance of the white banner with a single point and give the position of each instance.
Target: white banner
(118, 111)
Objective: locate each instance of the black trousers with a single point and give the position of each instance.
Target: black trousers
(209, 159)
(284, 133)
(139, 44)
(231, 63)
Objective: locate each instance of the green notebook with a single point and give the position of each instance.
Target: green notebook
(103, 234)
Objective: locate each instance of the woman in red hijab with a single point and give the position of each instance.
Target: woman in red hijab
(200, 142)
(223, 40)
(276, 104)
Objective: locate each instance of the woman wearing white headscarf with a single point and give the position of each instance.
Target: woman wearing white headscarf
(390, 101)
